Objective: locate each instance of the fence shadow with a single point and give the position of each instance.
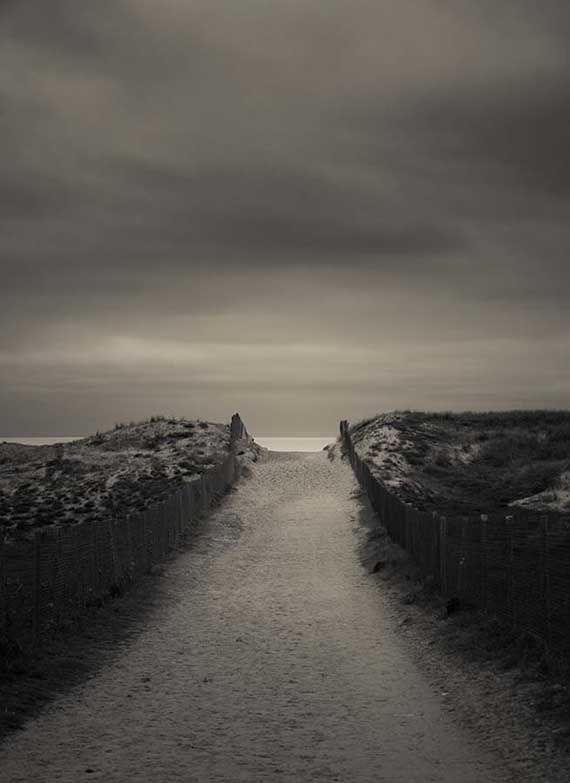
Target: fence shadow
(58, 623)
(33, 676)
(514, 567)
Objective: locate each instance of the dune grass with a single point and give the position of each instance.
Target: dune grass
(462, 463)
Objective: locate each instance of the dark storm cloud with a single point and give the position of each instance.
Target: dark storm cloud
(62, 30)
(552, 16)
(102, 36)
(261, 211)
(518, 132)
(368, 188)
(32, 200)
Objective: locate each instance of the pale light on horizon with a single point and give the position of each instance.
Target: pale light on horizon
(295, 444)
(373, 218)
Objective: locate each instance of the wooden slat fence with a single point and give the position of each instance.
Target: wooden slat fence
(515, 567)
(48, 576)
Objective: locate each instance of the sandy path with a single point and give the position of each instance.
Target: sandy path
(268, 656)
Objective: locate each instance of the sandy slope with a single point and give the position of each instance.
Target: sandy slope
(116, 472)
(471, 463)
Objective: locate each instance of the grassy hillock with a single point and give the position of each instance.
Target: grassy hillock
(110, 474)
(461, 463)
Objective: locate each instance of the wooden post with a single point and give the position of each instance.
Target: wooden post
(141, 542)
(510, 570)
(3, 599)
(205, 497)
(545, 568)
(484, 566)
(461, 563)
(443, 553)
(111, 534)
(37, 586)
(435, 535)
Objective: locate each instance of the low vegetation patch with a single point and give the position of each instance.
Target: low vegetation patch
(109, 474)
(463, 463)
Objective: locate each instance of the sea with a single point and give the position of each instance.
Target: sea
(295, 444)
(271, 443)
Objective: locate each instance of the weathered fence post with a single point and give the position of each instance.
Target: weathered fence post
(443, 553)
(435, 534)
(111, 534)
(461, 563)
(3, 599)
(484, 564)
(510, 570)
(545, 577)
(37, 586)
(144, 544)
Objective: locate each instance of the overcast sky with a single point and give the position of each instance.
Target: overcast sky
(302, 210)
